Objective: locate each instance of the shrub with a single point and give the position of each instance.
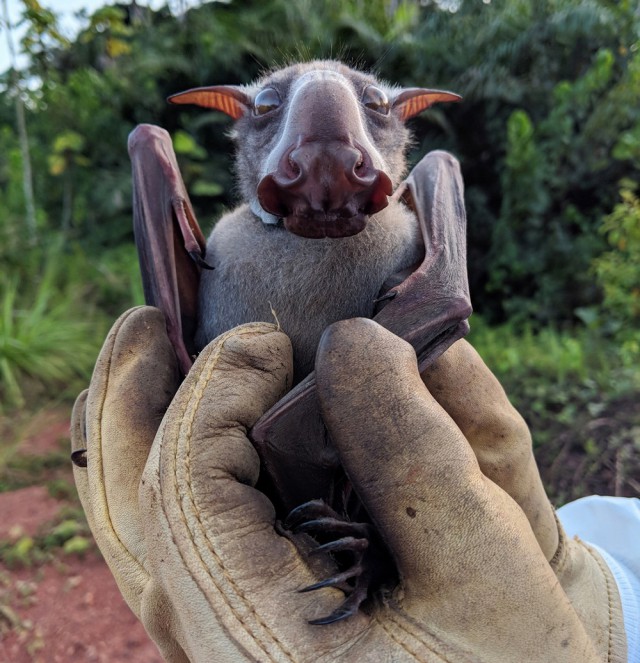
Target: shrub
(618, 272)
(49, 332)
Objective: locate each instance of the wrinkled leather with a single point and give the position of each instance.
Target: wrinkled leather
(501, 441)
(472, 396)
(171, 501)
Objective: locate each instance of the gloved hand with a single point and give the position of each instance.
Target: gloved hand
(192, 543)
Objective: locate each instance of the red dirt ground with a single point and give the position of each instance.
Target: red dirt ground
(69, 608)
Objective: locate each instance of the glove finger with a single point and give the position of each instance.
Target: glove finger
(214, 534)
(461, 382)
(463, 385)
(408, 461)
(134, 380)
(467, 557)
(380, 416)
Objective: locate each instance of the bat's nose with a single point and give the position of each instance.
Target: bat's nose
(320, 183)
(326, 159)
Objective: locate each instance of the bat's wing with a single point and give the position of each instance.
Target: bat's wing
(170, 244)
(429, 309)
(298, 460)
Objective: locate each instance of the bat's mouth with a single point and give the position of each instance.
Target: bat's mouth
(325, 190)
(321, 225)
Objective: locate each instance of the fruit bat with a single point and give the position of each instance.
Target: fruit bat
(327, 230)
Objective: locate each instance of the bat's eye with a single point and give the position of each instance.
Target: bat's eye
(375, 99)
(266, 100)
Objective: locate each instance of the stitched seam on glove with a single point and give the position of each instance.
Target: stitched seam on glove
(610, 598)
(103, 482)
(194, 403)
(559, 559)
(403, 623)
(403, 645)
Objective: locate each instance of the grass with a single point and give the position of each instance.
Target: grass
(70, 536)
(49, 333)
(512, 350)
(579, 395)
(553, 375)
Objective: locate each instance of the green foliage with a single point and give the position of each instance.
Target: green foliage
(519, 352)
(62, 532)
(49, 334)
(618, 272)
(70, 536)
(61, 489)
(20, 553)
(19, 470)
(550, 98)
(579, 397)
(524, 200)
(77, 545)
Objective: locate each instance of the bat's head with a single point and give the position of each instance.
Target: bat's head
(320, 146)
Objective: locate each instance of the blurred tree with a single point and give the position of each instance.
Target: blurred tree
(15, 88)
(549, 88)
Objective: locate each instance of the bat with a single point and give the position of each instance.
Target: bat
(327, 230)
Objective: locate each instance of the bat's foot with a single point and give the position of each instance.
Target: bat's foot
(355, 548)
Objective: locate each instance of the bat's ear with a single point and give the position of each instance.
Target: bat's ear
(411, 101)
(226, 98)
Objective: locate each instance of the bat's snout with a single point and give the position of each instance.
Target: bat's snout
(325, 189)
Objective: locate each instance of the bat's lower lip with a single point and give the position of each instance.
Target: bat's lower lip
(321, 226)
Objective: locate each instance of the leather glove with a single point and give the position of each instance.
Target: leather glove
(169, 495)
(463, 385)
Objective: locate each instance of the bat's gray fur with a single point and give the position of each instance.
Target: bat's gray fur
(309, 283)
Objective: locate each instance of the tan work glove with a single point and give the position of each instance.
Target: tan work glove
(463, 385)
(192, 543)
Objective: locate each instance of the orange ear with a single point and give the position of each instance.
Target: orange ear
(226, 98)
(414, 100)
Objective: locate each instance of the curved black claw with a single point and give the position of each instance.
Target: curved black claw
(323, 527)
(310, 511)
(338, 581)
(348, 607)
(320, 520)
(349, 543)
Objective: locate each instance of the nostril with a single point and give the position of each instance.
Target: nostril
(360, 163)
(293, 165)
